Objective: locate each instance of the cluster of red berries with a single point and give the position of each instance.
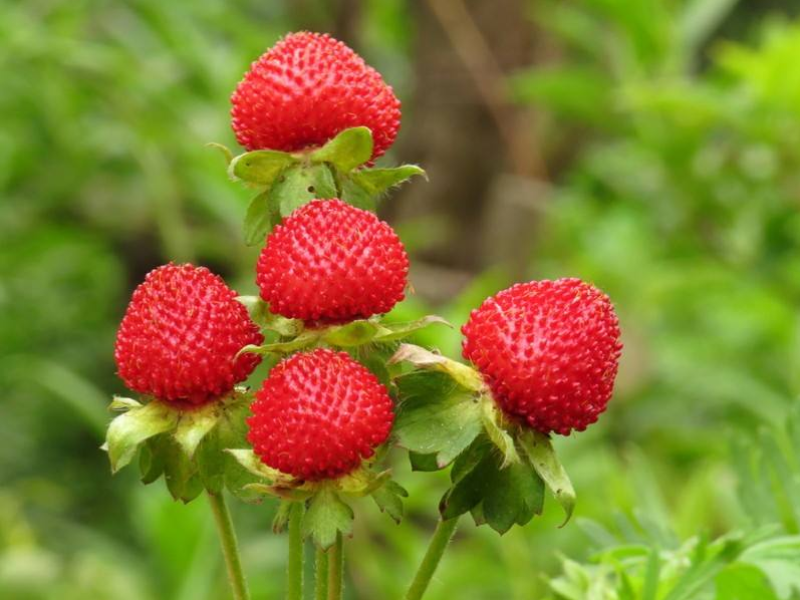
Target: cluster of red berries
(548, 350)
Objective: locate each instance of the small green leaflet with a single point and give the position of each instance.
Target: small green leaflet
(492, 424)
(258, 221)
(194, 425)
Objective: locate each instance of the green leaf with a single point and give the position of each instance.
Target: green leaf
(423, 462)
(180, 473)
(301, 185)
(389, 498)
(260, 167)
(465, 376)
(348, 150)
(194, 425)
(258, 221)
(492, 423)
(130, 429)
(396, 331)
(542, 457)
(436, 416)
(326, 516)
(378, 181)
(355, 333)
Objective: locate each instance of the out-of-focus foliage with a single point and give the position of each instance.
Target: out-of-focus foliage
(678, 125)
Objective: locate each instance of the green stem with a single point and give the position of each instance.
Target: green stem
(321, 562)
(336, 569)
(295, 568)
(230, 549)
(433, 556)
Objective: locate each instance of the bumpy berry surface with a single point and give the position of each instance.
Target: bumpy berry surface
(305, 90)
(332, 262)
(549, 351)
(180, 335)
(318, 415)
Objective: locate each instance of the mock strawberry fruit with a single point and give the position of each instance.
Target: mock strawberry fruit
(549, 351)
(331, 262)
(180, 336)
(305, 90)
(318, 415)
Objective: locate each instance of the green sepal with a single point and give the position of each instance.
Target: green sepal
(260, 218)
(223, 149)
(466, 377)
(281, 520)
(327, 515)
(379, 181)
(349, 335)
(151, 460)
(252, 463)
(300, 185)
(130, 429)
(180, 472)
(261, 315)
(193, 425)
(389, 498)
(121, 404)
(499, 497)
(493, 425)
(351, 148)
(217, 468)
(541, 455)
(423, 462)
(186, 445)
(436, 415)
(260, 167)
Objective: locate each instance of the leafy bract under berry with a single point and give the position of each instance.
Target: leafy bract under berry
(181, 334)
(305, 90)
(549, 351)
(319, 415)
(330, 262)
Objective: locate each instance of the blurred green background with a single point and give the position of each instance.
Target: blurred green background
(649, 146)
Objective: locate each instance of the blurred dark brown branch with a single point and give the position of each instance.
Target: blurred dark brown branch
(473, 49)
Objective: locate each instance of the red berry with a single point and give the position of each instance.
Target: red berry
(549, 351)
(332, 262)
(318, 415)
(305, 90)
(180, 335)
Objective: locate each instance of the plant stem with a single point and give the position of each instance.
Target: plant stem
(438, 544)
(336, 569)
(295, 568)
(230, 548)
(321, 562)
